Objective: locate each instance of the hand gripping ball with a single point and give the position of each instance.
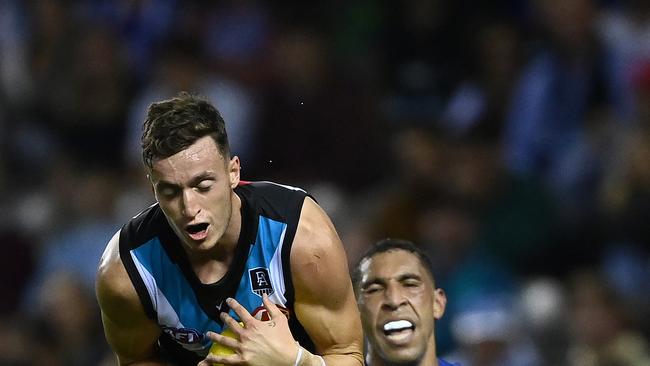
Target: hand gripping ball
(219, 349)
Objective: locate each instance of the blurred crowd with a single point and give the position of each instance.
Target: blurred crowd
(509, 138)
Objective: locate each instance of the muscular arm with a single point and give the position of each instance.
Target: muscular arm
(325, 303)
(130, 333)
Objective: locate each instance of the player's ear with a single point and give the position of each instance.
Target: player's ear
(234, 170)
(439, 303)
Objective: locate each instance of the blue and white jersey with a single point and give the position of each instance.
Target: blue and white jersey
(442, 362)
(185, 308)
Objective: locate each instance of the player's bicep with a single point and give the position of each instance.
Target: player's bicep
(334, 330)
(130, 333)
(325, 303)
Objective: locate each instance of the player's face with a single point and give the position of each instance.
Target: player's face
(398, 305)
(195, 190)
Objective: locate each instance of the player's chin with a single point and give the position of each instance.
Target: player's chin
(400, 355)
(206, 243)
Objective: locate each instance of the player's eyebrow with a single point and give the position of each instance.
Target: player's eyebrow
(164, 184)
(409, 276)
(381, 280)
(201, 177)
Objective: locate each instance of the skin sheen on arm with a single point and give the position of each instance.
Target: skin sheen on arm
(130, 333)
(325, 303)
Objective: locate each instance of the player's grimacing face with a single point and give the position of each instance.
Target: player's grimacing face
(398, 304)
(194, 190)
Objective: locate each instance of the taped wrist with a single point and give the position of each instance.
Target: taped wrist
(303, 353)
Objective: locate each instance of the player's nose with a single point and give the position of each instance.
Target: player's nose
(190, 205)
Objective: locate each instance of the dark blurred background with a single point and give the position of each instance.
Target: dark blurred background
(509, 138)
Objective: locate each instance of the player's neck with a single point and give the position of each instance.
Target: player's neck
(227, 245)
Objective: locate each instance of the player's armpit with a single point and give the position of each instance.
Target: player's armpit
(130, 333)
(325, 303)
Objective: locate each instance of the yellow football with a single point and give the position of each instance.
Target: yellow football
(219, 349)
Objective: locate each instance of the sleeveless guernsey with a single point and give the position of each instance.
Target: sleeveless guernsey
(185, 308)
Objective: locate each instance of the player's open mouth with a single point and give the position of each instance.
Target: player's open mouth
(197, 231)
(398, 331)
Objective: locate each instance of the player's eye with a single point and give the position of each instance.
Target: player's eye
(372, 289)
(168, 192)
(205, 185)
(411, 283)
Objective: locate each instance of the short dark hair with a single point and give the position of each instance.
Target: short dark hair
(389, 244)
(174, 124)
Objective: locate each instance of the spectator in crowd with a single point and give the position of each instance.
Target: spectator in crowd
(601, 332)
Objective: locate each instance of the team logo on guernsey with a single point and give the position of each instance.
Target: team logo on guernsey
(260, 281)
(183, 335)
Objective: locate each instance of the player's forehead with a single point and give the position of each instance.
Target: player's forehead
(394, 263)
(201, 156)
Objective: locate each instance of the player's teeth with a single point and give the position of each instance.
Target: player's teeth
(398, 324)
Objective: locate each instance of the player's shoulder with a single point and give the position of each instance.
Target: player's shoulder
(313, 219)
(112, 282)
(316, 237)
(112, 278)
(318, 261)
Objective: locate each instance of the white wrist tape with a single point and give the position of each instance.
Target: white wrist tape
(298, 356)
(322, 361)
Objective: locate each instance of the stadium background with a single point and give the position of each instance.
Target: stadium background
(509, 138)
